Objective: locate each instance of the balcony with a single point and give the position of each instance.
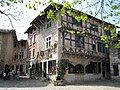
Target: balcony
(83, 52)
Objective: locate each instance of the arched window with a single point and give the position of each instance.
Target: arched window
(91, 68)
(70, 68)
(79, 68)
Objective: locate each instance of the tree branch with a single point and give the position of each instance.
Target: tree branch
(8, 15)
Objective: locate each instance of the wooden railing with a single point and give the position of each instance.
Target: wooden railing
(82, 51)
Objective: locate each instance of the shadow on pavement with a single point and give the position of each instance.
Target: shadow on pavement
(26, 83)
(23, 82)
(98, 83)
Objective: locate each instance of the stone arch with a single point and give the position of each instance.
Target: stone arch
(91, 68)
(79, 68)
(70, 68)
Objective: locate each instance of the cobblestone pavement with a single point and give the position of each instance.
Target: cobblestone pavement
(31, 84)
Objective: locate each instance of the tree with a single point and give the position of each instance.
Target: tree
(105, 9)
(6, 6)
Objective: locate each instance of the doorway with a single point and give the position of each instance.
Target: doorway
(21, 69)
(103, 69)
(44, 70)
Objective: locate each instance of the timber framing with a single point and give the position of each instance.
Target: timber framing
(69, 29)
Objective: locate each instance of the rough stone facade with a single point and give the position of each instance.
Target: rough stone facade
(57, 40)
(21, 60)
(115, 64)
(7, 38)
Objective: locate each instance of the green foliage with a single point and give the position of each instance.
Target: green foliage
(51, 15)
(62, 67)
(117, 45)
(105, 39)
(113, 7)
(33, 4)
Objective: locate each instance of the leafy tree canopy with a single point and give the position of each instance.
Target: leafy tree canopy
(105, 9)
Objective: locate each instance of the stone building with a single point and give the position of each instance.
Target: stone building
(50, 42)
(7, 42)
(115, 60)
(20, 60)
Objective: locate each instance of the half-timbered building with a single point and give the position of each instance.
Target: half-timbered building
(78, 42)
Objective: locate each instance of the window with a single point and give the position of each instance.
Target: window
(29, 54)
(34, 39)
(12, 67)
(31, 41)
(99, 67)
(79, 41)
(33, 53)
(93, 27)
(119, 53)
(91, 68)
(107, 32)
(100, 47)
(22, 44)
(52, 67)
(76, 22)
(48, 23)
(21, 69)
(16, 55)
(115, 70)
(48, 42)
(21, 55)
(94, 47)
(70, 68)
(79, 68)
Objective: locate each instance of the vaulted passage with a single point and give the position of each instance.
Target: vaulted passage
(79, 68)
(75, 69)
(70, 68)
(93, 67)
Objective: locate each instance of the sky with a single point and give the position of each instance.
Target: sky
(24, 16)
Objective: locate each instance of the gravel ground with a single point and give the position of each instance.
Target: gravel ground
(31, 84)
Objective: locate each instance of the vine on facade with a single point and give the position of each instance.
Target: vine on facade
(62, 67)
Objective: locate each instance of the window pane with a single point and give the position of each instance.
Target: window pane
(52, 67)
(116, 70)
(49, 43)
(49, 38)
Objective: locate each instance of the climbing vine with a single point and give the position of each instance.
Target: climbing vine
(62, 67)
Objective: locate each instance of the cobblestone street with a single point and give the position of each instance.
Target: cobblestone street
(31, 84)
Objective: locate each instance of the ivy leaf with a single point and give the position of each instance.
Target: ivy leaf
(78, 18)
(42, 13)
(84, 17)
(117, 45)
(114, 7)
(104, 38)
(50, 14)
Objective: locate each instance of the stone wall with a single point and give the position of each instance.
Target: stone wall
(114, 60)
(6, 51)
(72, 78)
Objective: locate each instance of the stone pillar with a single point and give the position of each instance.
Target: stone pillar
(24, 68)
(119, 68)
(84, 70)
(47, 68)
